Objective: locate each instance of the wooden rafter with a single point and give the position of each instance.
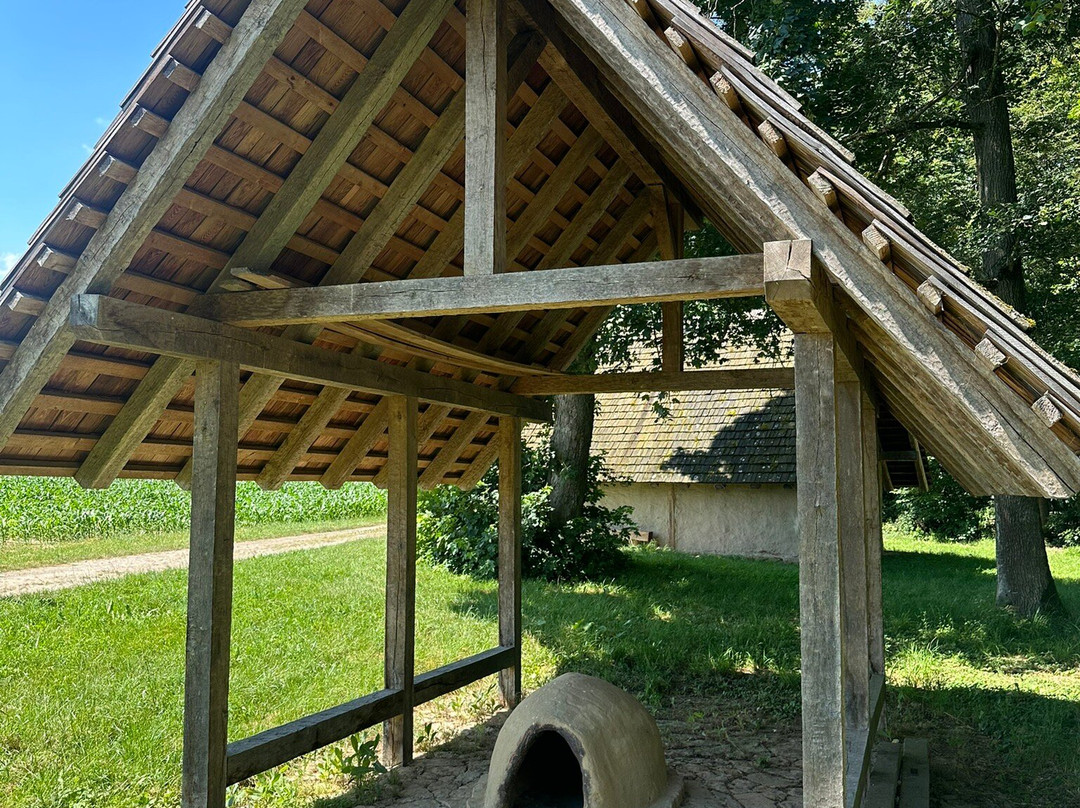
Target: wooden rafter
(318, 166)
(147, 197)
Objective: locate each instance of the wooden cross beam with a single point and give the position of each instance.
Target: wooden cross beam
(108, 321)
(752, 378)
(577, 287)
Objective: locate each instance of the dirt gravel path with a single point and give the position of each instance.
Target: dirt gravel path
(65, 576)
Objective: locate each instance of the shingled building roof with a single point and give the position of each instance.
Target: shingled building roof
(321, 143)
(719, 437)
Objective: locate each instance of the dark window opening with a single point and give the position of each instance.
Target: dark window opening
(549, 776)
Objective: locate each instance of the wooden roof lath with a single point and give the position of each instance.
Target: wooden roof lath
(277, 144)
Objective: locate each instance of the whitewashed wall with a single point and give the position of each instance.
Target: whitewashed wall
(703, 519)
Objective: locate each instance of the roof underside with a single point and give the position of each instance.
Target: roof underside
(583, 155)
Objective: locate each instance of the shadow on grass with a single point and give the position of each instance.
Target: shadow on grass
(674, 625)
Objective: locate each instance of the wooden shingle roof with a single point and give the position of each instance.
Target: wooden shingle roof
(259, 138)
(719, 437)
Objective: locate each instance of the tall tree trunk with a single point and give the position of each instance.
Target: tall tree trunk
(1024, 579)
(571, 438)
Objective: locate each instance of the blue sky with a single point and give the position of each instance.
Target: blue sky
(66, 65)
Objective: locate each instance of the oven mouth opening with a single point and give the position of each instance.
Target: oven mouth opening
(549, 775)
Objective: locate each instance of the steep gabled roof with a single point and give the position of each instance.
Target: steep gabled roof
(245, 124)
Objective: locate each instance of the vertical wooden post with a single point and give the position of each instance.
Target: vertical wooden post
(397, 746)
(485, 137)
(850, 425)
(852, 503)
(510, 555)
(669, 222)
(210, 569)
(872, 512)
(820, 577)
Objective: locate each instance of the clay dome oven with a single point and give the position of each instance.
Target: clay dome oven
(579, 742)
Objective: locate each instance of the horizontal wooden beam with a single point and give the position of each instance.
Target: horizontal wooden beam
(450, 677)
(279, 745)
(273, 747)
(108, 321)
(578, 287)
(659, 381)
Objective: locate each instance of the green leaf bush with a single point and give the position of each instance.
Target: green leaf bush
(459, 529)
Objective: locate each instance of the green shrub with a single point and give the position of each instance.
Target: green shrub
(56, 510)
(459, 529)
(946, 512)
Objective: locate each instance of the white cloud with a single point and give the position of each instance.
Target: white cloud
(88, 149)
(7, 263)
(102, 121)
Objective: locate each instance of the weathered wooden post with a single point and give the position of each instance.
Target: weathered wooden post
(210, 570)
(852, 503)
(834, 588)
(510, 555)
(872, 512)
(397, 742)
(485, 137)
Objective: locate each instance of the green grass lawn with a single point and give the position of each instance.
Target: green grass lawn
(91, 677)
(53, 521)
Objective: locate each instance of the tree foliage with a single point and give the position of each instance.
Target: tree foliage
(459, 529)
(886, 78)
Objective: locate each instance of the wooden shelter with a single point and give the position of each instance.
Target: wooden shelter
(309, 249)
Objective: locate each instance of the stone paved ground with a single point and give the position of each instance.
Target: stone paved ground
(724, 766)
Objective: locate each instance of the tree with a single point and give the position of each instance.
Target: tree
(1024, 581)
(935, 129)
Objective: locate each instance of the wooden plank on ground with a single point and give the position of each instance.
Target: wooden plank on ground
(915, 774)
(884, 777)
(210, 571)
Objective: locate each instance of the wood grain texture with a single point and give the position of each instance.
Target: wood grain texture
(210, 571)
(271, 232)
(397, 745)
(820, 582)
(851, 502)
(485, 136)
(735, 178)
(570, 288)
(129, 325)
(509, 439)
(110, 251)
(658, 381)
